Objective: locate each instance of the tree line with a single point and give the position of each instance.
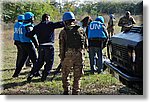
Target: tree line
(109, 8)
(11, 10)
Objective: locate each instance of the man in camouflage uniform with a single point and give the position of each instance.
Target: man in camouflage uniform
(126, 22)
(111, 25)
(72, 43)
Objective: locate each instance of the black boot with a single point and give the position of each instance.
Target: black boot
(43, 78)
(74, 92)
(65, 93)
(29, 78)
(15, 75)
(38, 74)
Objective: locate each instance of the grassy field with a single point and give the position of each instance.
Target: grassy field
(98, 84)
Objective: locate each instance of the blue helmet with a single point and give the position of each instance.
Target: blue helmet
(28, 15)
(111, 16)
(21, 17)
(68, 16)
(100, 18)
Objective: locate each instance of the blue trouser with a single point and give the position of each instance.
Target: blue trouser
(27, 50)
(45, 54)
(95, 61)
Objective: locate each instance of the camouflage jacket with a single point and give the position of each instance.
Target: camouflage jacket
(63, 41)
(126, 23)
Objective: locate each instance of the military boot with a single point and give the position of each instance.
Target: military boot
(74, 92)
(29, 78)
(38, 74)
(44, 76)
(65, 93)
(15, 75)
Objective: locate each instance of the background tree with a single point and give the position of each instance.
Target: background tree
(11, 10)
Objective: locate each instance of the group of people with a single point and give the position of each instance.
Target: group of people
(26, 36)
(24, 45)
(74, 39)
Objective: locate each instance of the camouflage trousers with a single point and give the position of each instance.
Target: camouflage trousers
(73, 62)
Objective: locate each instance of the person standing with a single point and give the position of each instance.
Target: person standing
(97, 34)
(45, 35)
(111, 25)
(17, 42)
(26, 43)
(72, 42)
(85, 22)
(126, 22)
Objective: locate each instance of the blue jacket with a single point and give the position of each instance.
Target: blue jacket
(17, 30)
(24, 29)
(45, 31)
(96, 34)
(96, 30)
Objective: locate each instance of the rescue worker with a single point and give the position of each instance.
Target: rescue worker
(17, 41)
(85, 22)
(45, 35)
(126, 22)
(26, 43)
(97, 34)
(111, 25)
(72, 44)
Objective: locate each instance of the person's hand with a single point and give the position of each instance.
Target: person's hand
(127, 25)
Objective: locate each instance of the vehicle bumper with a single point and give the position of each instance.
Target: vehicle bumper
(125, 76)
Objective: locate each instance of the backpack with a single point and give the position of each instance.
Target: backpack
(75, 37)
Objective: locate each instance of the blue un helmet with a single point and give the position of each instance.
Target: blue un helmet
(100, 18)
(68, 16)
(21, 17)
(112, 16)
(28, 15)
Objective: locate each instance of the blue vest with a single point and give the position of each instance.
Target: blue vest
(23, 30)
(96, 30)
(17, 31)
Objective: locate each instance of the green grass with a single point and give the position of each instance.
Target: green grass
(98, 84)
